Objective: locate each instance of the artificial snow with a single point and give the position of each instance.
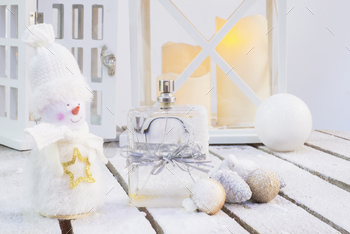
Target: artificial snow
(317, 162)
(317, 195)
(16, 216)
(229, 163)
(189, 205)
(340, 134)
(279, 216)
(245, 167)
(332, 144)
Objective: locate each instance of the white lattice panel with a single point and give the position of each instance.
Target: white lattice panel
(14, 86)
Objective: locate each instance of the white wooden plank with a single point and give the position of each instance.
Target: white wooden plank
(279, 216)
(176, 220)
(114, 216)
(329, 144)
(320, 198)
(341, 134)
(332, 169)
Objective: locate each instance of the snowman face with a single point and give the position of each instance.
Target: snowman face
(71, 114)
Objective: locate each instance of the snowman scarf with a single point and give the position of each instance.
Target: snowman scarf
(47, 135)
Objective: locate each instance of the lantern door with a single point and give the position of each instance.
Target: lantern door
(88, 29)
(227, 55)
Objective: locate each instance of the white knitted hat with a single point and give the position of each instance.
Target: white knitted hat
(53, 71)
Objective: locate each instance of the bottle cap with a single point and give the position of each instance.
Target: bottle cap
(166, 86)
(166, 98)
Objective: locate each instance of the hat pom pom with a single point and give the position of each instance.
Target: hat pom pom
(39, 35)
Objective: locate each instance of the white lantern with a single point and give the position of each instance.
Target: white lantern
(225, 55)
(80, 26)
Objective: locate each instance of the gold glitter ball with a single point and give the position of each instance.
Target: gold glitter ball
(264, 184)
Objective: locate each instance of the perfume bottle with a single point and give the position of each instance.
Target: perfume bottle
(167, 150)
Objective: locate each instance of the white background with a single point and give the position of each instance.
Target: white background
(318, 62)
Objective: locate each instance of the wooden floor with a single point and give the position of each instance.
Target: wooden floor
(315, 200)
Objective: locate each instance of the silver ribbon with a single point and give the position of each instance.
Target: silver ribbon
(185, 156)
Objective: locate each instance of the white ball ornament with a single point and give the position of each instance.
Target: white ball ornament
(283, 122)
(208, 195)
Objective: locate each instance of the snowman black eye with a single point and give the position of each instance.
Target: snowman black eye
(78, 104)
(67, 104)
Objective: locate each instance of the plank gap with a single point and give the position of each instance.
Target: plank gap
(327, 151)
(317, 215)
(66, 226)
(151, 220)
(118, 177)
(157, 228)
(216, 155)
(246, 226)
(335, 182)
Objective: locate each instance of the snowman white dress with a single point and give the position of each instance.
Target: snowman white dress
(65, 179)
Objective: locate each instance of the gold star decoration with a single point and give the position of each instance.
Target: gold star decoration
(88, 177)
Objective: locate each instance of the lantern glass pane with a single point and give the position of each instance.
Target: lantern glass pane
(78, 54)
(2, 101)
(78, 21)
(222, 55)
(2, 21)
(96, 67)
(14, 62)
(13, 103)
(14, 21)
(202, 14)
(97, 22)
(3, 73)
(58, 20)
(96, 108)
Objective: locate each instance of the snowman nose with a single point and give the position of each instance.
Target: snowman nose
(75, 111)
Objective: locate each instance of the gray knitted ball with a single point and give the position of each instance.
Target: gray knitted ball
(237, 190)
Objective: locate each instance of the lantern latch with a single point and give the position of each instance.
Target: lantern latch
(36, 18)
(108, 61)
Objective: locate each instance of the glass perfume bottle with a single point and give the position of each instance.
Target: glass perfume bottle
(167, 149)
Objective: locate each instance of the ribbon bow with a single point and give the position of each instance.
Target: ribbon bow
(188, 155)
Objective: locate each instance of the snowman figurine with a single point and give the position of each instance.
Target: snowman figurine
(65, 179)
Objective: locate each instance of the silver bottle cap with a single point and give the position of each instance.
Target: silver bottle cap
(166, 86)
(166, 98)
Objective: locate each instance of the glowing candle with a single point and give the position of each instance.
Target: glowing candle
(245, 48)
(175, 58)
